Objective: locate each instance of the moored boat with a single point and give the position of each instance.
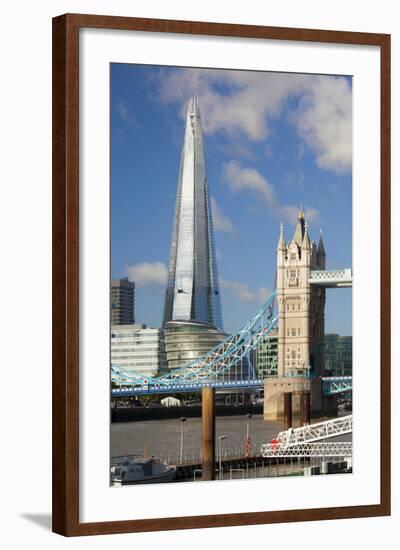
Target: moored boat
(134, 470)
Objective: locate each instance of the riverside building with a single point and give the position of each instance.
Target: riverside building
(188, 340)
(266, 355)
(122, 302)
(138, 349)
(338, 353)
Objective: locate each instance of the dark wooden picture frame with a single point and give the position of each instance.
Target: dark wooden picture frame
(66, 273)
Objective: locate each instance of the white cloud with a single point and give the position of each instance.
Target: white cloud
(322, 114)
(241, 178)
(124, 113)
(220, 221)
(324, 121)
(147, 273)
(243, 293)
(253, 98)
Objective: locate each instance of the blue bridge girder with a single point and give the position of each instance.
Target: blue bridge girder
(131, 391)
(220, 365)
(332, 385)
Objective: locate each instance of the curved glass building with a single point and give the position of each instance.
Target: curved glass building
(188, 340)
(192, 289)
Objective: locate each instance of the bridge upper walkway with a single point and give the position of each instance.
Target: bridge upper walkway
(331, 278)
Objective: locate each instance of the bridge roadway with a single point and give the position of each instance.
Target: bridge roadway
(331, 385)
(130, 391)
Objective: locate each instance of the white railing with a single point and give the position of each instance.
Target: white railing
(332, 277)
(316, 432)
(324, 450)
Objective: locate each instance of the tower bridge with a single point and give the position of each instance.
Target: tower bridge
(302, 280)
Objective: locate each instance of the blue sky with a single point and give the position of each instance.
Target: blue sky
(273, 141)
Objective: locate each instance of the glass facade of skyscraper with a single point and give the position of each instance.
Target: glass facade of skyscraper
(338, 354)
(192, 289)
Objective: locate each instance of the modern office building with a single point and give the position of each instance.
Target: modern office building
(138, 349)
(192, 292)
(122, 302)
(338, 352)
(266, 355)
(188, 340)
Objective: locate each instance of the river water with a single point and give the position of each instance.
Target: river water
(162, 438)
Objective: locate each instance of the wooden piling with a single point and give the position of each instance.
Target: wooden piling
(287, 410)
(208, 433)
(305, 408)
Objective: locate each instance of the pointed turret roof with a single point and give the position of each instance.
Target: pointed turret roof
(300, 229)
(321, 248)
(281, 243)
(306, 239)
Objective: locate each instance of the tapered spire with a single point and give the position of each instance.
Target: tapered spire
(281, 243)
(193, 108)
(300, 228)
(321, 248)
(192, 289)
(306, 239)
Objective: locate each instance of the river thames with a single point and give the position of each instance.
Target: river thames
(162, 438)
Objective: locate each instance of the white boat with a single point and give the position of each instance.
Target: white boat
(131, 470)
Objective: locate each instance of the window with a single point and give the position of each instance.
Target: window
(293, 273)
(293, 256)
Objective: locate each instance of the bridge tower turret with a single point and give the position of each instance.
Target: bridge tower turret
(301, 324)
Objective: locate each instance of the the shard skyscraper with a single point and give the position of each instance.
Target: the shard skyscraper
(192, 290)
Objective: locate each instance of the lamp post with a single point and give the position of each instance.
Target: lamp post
(248, 415)
(183, 420)
(220, 438)
(248, 441)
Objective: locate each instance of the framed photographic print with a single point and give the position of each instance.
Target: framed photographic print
(221, 274)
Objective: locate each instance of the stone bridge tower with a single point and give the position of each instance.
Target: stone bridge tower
(301, 309)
